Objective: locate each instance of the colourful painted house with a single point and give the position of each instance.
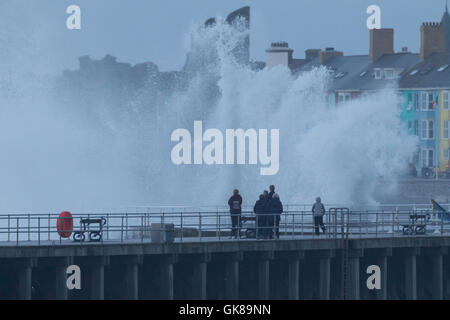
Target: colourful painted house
(425, 110)
(444, 106)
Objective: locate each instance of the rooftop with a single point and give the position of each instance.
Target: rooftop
(358, 72)
(433, 72)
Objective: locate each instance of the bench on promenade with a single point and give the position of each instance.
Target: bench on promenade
(417, 224)
(94, 235)
(250, 230)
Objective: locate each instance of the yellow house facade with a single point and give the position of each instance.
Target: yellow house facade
(444, 106)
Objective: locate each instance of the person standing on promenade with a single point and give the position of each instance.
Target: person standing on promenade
(318, 211)
(235, 204)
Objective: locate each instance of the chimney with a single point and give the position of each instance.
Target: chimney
(328, 53)
(381, 42)
(279, 54)
(432, 39)
(312, 54)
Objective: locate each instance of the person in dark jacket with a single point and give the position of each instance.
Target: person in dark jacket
(235, 203)
(259, 210)
(275, 209)
(272, 191)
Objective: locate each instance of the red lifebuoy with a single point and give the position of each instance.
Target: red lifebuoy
(64, 224)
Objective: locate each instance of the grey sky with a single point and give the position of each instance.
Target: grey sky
(33, 33)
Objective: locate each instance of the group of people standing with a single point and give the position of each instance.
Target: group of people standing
(268, 209)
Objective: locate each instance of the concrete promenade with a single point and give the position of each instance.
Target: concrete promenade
(299, 267)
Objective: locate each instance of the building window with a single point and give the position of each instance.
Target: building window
(378, 74)
(389, 73)
(446, 129)
(430, 101)
(423, 101)
(416, 101)
(427, 158)
(409, 126)
(416, 128)
(430, 158)
(427, 129)
(343, 97)
(445, 102)
(427, 102)
(409, 102)
(446, 154)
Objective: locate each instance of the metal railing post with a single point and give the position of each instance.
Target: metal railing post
(121, 231)
(126, 225)
(328, 234)
(107, 226)
(393, 221)
(367, 224)
(274, 227)
(200, 226)
(217, 223)
(181, 226)
(39, 230)
(257, 231)
(335, 223)
(302, 222)
(9, 226)
(29, 225)
(293, 225)
(17, 231)
(360, 224)
(376, 224)
(142, 229)
(220, 231)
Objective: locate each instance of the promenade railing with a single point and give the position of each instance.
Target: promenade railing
(41, 229)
